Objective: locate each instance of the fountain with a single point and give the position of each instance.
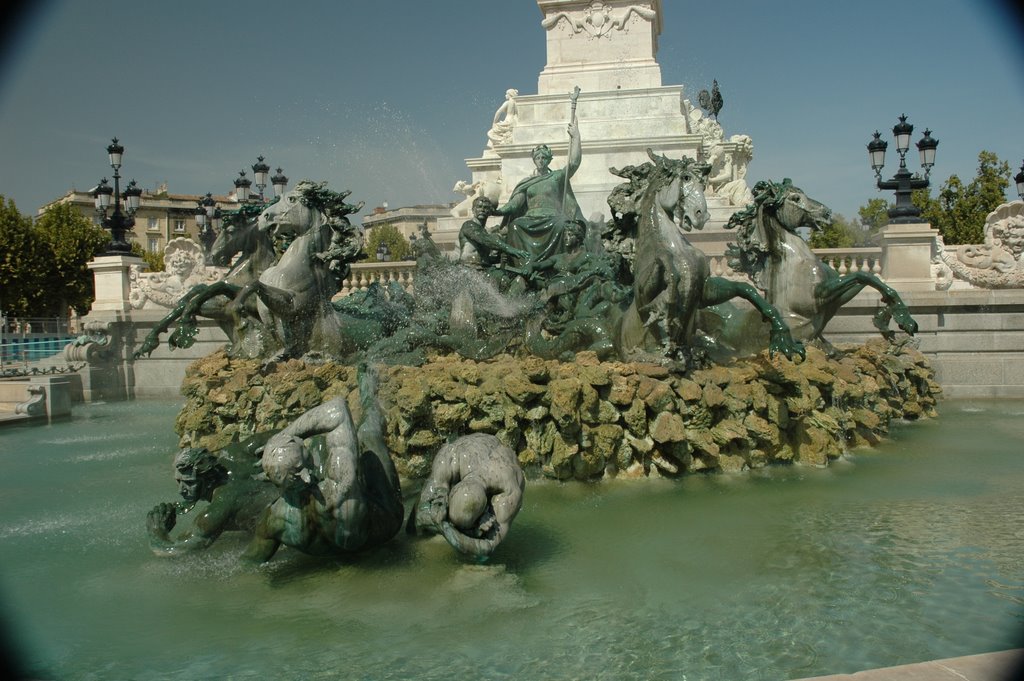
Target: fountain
(560, 349)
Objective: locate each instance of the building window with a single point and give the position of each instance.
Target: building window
(154, 244)
(153, 224)
(179, 225)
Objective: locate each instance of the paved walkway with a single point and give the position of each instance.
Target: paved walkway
(1003, 666)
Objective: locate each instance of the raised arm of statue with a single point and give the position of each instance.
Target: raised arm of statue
(575, 149)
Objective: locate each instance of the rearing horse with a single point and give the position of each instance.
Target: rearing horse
(276, 227)
(316, 243)
(239, 235)
(806, 290)
(672, 279)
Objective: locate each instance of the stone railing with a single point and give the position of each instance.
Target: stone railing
(849, 260)
(843, 260)
(364, 274)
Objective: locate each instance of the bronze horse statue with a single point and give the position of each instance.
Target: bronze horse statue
(240, 236)
(309, 207)
(316, 244)
(671, 279)
(806, 290)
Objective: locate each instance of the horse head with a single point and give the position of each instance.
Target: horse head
(678, 186)
(235, 236)
(790, 206)
(308, 205)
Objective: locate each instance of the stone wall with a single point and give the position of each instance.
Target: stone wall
(585, 419)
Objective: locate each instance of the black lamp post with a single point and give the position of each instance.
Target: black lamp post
(1019, 179)
(260, 171)
(208, 218)
(383, 252)
(280, 182)
(120, 220)
(903, 182)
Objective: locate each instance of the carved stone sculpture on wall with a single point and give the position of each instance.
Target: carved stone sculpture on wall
(598, 19)
(184, 267)
(997, 263)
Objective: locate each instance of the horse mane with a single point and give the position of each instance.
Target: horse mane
(750, 253)
(241, 216)
(332, 204)
(624, 199)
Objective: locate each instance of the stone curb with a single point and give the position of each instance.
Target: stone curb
(1006, 665)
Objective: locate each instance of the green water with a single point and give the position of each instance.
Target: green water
(910, 552)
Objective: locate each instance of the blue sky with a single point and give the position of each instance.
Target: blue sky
(387, 98)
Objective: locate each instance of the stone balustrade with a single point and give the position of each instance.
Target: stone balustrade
(843, 260)
(849, 260)
(364, 274)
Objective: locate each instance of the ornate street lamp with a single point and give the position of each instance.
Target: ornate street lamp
(122, 218)
(1019, 179)
(210, 210)
(260, 171)
(903, 182)
(383, 252)
(242, 184)
(208, 217)
(280, 182)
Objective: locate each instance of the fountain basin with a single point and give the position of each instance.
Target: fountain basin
(903, 553)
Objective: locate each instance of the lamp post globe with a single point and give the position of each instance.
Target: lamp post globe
(242, 184)
(260, 171)
(280, 182)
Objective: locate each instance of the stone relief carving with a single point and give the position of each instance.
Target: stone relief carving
(997, 263)
(729, 171)
(184, 267)
(489, 188)
(36, 403)
(598, 19)
(505, 119)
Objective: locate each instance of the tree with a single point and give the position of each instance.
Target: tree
(874, 216)
(960, 210)
(398, 247)
(23, 263)
(842, 233)
(154, 259)
(71, 241)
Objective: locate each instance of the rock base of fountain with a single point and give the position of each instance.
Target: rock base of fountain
(587, 419)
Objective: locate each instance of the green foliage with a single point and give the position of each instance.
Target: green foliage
(71, 240)
(960, 210)
(397, 245)
(874, 216)
(23, 263)
(842, 233)
(155, 259)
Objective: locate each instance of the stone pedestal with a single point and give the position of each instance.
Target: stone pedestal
(907, 256)
(600, 46)
(608, 49)
(110, 273)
